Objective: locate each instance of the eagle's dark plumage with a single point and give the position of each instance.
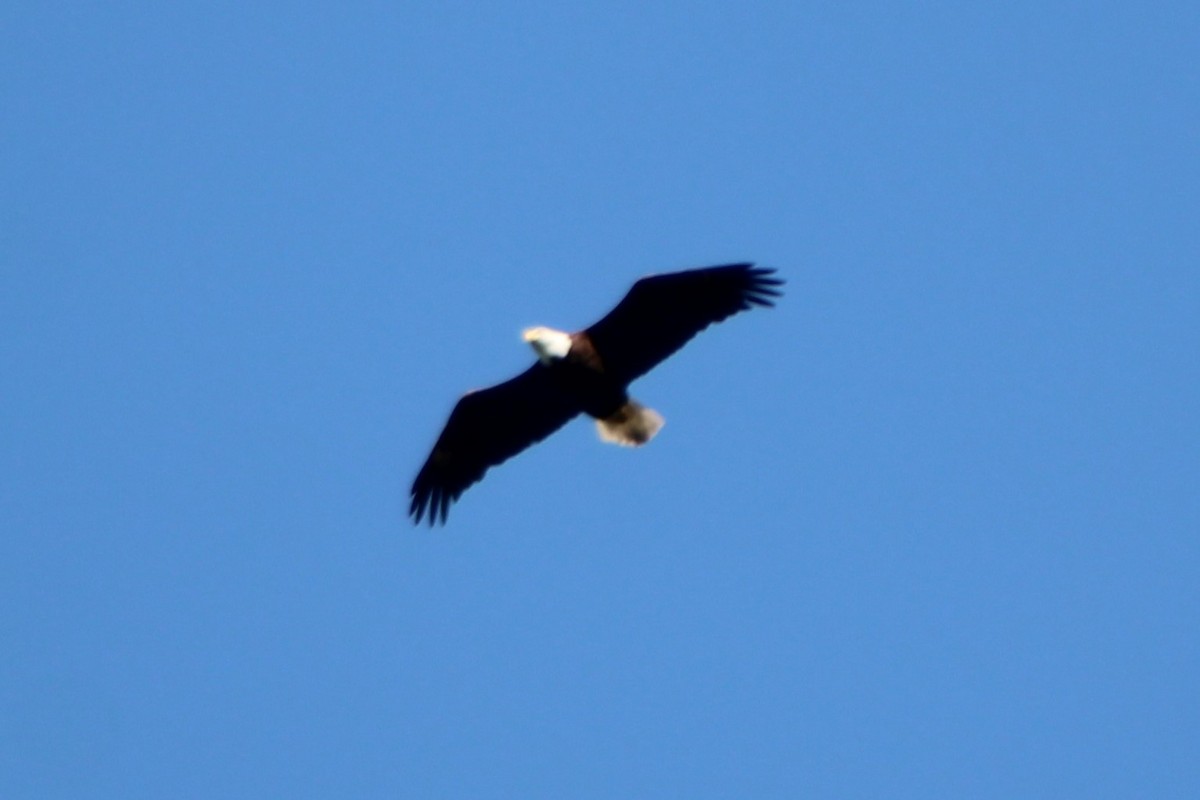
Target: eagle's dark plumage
(584, 372)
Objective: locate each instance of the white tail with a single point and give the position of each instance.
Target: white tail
(632, 426)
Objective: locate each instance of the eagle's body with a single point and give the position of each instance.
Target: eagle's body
(586, 372)
(581, 374)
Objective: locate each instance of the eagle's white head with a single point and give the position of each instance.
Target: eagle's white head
(548, 343)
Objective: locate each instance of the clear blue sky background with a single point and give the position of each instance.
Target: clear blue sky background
(927, 529)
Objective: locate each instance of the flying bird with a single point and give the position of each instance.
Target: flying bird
(586, 372)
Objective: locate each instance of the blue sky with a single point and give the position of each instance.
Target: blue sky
(928, 528)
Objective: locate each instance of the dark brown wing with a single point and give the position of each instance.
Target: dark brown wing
(662, 312)
(486, 428)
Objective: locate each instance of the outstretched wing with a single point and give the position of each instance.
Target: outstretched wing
(662, 312)
(486, 428)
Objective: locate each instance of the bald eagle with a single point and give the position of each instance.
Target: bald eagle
(587, 372)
